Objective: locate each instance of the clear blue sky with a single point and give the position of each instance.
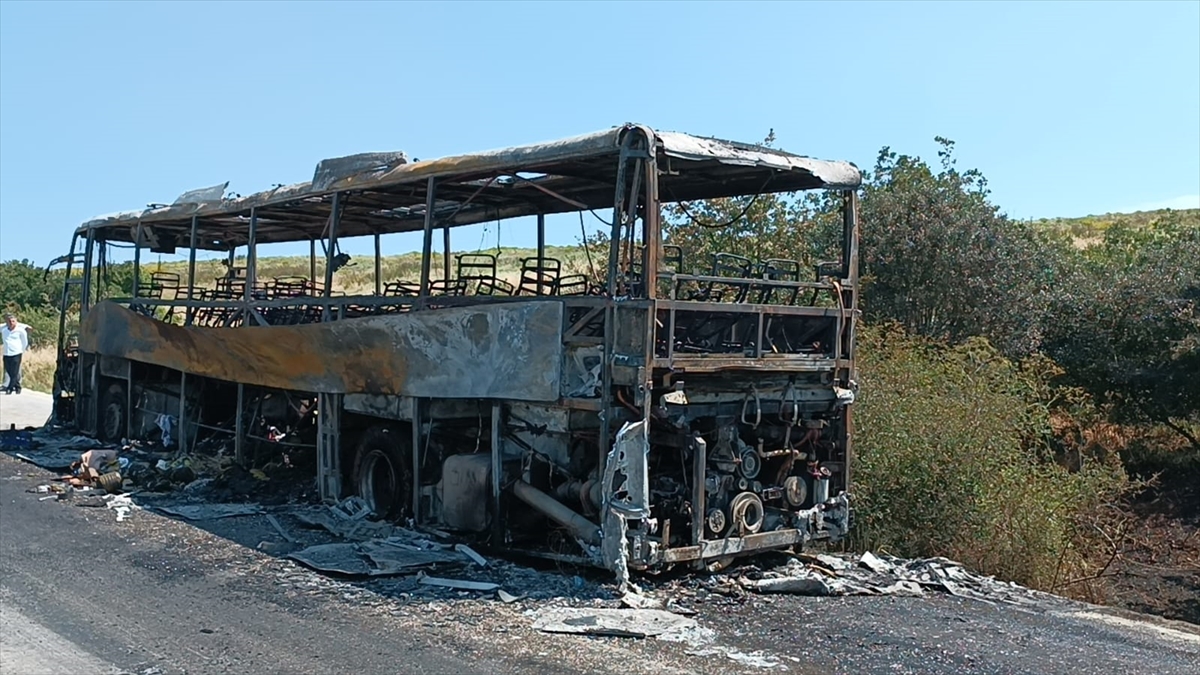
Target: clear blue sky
(1068, 109)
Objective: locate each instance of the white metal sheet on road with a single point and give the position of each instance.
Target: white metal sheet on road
(27, 409)
(29, 648)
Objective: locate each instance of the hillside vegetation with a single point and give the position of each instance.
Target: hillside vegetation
(1089, 230)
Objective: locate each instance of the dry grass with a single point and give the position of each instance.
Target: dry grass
(37, 369)
(359, 277)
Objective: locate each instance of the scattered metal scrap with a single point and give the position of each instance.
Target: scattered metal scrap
(379, 557)
(638, 623)
(869, 574)
(211, 511)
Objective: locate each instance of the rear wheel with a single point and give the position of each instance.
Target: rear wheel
(383, 472)
(111, 427)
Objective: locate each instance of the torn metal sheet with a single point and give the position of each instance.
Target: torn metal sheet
(364, 166)
(371, 558)
(460, 352)
(204, 195)
(626, 483)
(470, 553)
(506, 597)
(695, 148)
(871, 574)
(626, 495)
(211, 511)
(344, 527)
(459, 584)
(639, 623)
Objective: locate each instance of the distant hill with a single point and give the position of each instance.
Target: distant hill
(1090, 228)
(359, 278)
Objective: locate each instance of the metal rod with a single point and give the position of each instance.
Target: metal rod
(699, 464)
(651, 228)
(566, 200)
(191, 314)
(427, 245)
(416, 459)
(541, 249)
(614, 242)
(239, 433)
(378, 267)
(137, 260)
(497, 476)
(849, 240)
(446, 252)
(251, 255)
(554, 510)
(182, 410)
(88, 250)
(334, 217)
(312, 261)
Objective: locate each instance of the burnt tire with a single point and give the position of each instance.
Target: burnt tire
(110, 427)
(383, 471)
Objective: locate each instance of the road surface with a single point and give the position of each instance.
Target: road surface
(81, 592)
(27, 409)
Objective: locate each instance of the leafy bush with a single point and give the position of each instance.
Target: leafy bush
(1127, 326)
(953, 459)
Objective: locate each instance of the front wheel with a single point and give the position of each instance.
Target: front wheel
(383, 472)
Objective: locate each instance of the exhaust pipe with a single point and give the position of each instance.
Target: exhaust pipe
(553, 509)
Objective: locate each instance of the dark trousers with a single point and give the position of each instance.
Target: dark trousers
(12, 366)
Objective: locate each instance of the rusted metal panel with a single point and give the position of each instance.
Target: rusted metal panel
(509, 351)
(715, 548)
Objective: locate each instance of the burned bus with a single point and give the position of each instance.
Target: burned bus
(667, 409)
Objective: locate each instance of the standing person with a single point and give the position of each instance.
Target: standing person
(15, 336)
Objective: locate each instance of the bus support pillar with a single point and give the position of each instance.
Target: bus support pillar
(329, 422)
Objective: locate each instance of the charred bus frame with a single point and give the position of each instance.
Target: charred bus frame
(662, 415)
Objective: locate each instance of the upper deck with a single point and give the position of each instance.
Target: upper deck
(381, 193)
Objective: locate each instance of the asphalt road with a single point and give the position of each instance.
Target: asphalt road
(155, 593)
(27, 409)
(83, 593)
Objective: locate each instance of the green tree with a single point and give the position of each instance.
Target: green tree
(936, 255)
(1127, 327)
(24, 286)
(941, 259)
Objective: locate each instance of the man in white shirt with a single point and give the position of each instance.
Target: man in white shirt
(15, 336)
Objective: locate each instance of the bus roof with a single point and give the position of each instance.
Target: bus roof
(382, 193)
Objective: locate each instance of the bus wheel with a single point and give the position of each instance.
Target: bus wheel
(383, 473)
(111, 428)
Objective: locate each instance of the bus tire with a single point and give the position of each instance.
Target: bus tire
(383, 472)
(110, 428)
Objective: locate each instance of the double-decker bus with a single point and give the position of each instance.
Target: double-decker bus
(669, 408)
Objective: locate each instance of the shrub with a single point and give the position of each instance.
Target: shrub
(953, 458)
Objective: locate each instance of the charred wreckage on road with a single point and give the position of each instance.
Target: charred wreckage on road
(660, 411)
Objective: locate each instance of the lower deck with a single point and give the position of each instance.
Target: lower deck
(522, 450)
